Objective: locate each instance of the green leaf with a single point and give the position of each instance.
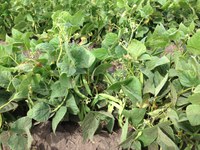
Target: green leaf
(165, 142)
(40, 112)
(159, 38)
(197, 89)
(161, 84)
(193, 44)
(21, 124)
(124, 131)
(100, 53)
(71, 105)
(194, 98)
(89, 126)
(149, 86)
(188, 78)
(146, 11)
(91, 123)
(136, 49)
(83, 58)
(18, 141)
(148, 136)
(110, 39)
(58, 117)
(102, 69)
(136, 115)
(193, 114)
(156, 61)
(58, 90)
(10, 106)
(133, 89)
(136, 145)
(25, 67)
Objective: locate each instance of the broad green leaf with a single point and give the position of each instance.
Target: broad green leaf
(58, 117)
(194, 98)
(45, 47)
(89, 126)
(161, 84)
(16, 34)
(146, 11)
(67, 66)
(21, 124)
(181, 101)
(197, 89)
(188, 78)
(10, 106)
(173, 94)
(124, 131)
(153, 146)
(117, 86)
(136, 49)
(100, 53)
(165, 142)
(58, 90)
(156, 61)
(71, 105)
(22, 127)
(82, 58)
(18, 141)
(172, 114)
(159, 38)
(40, 112)
(91, 123)
(193, 44)
(66, 82)
(136, 145)
(193, 114)
(108, 118)
(25, 67)
(133, 89)
(110, 39)
(101, 69)
(78, 18)
(148, 136)
(136, 115)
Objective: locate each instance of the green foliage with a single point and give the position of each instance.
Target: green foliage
(134, 63)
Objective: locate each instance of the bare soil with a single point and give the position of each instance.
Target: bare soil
(69, 137)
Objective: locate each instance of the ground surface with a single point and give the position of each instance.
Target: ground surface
(68, 137)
